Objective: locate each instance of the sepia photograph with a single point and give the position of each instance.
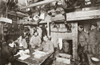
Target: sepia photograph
(49, 32)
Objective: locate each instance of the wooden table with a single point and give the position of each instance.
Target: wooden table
(34, 61)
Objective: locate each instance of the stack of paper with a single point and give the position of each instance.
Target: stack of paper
(39, 54)
(23, 54)
(24, 57)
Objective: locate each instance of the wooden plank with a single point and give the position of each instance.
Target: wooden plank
(75, 39)
(58, 17)
(6, 20)
(19, 14)
(27, 22)
(83, 15)
(1, 31)
(66, 35)
(38, 3)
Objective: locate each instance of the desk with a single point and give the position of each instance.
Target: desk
(34, 61)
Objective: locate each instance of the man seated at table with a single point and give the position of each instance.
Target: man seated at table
(9, 50)
(47, 45)
(22, 42)
(35, 41)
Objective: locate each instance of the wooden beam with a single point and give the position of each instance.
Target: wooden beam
(83, 15)
(38, 3)
(56, 35)
(75, 39)
(58, 17)
(6, 20)
(19, 14)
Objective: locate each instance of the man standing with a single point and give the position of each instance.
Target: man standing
(97, 46)
(83, 42)
(92, 39)
(92, 43)
(83, 37)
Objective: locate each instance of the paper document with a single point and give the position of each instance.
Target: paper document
(23, 54)
(39, 54)
(24, 57)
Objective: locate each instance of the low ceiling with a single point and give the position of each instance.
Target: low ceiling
(28, 7)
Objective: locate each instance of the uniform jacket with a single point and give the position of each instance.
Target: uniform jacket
(83, 38)
(92, 37)
(47, 46)
(35, 41)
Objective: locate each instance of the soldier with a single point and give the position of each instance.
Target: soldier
(47, 45)
(92, 43)
(83, 37)
(83, 42)
(35, 40)
(92, 39)
(97, 46)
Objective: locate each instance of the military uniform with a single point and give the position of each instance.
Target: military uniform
(82, 46)
(47, 46)
(83, 39)
(92, 41)
(35, 41)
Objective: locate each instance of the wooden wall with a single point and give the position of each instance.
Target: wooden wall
(1, 31)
